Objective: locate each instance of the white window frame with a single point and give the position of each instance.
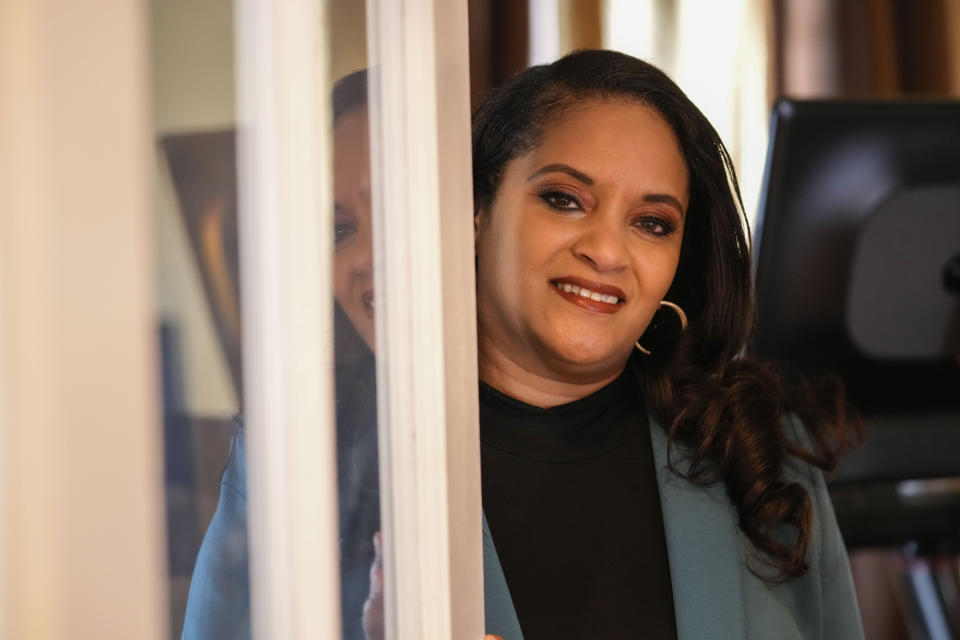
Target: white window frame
(285, 250)
(426, 323)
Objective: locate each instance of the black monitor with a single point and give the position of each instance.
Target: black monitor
(858, 249)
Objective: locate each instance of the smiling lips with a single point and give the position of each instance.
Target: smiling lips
(592, 296)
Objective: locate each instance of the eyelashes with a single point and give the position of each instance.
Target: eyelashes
(655, 225)
(560, 201)
(563, 202)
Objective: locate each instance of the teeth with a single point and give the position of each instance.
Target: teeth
(586, 293)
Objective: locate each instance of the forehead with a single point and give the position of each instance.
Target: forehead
(351, 142)
(618, 139)
(355, 123)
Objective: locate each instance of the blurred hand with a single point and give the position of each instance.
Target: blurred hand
(373, 607)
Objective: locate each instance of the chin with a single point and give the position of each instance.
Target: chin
(362, 324)
(367, 333)
(592, 356)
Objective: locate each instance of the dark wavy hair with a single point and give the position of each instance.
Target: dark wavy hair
(727, 410)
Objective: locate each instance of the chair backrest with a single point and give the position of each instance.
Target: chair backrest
(858, 270)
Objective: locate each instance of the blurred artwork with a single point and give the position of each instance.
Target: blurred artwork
(202, 166)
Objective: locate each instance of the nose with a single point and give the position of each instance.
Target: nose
(361, 258)
(361, 262)
(602, 244)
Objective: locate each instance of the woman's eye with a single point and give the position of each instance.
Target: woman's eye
(343, 231)
(654, 225)
(560, 201)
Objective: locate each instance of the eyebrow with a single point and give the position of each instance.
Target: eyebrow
(664, 198)
(562, 168)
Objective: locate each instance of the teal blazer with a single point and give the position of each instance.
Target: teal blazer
(715, 595)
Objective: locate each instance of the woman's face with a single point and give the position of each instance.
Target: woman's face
(352, 262)
(582, 241)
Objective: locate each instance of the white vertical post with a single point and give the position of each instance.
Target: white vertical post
(426, 319)
(82, 551)
(544, 31)
(285, 241)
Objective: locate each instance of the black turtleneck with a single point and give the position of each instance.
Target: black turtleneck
(570, 495)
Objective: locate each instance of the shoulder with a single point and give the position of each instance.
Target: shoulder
(218, 605)
(235, 473)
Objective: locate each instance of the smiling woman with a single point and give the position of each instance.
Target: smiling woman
(353, 230)
(219, 602)
(637, 480)
(641, 477)
(598, 205)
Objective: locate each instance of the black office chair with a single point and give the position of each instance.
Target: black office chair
(858, 274)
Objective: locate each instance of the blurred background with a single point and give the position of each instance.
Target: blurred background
(734, 58)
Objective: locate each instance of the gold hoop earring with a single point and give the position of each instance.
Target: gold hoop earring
(676, 309)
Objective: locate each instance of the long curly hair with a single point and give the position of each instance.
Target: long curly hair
(725, 408)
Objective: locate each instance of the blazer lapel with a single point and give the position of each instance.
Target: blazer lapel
(706, 564)
(500, 616)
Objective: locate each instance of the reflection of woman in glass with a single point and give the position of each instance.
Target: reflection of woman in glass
(353, 264)
(641, 476)
(219, 602)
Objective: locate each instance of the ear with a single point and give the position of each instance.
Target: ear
(479, 223)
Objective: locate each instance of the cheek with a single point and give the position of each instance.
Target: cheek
(656, 269)
(500, 287)
(514, 248)
(542, 242)
(341, 277)
(495, 255)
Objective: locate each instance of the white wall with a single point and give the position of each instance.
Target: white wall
(193, 90)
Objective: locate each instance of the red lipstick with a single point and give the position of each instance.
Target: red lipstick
(585, 294)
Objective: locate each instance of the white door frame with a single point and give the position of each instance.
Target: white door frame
(426, 318)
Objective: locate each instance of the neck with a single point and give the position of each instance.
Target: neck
(539, 386)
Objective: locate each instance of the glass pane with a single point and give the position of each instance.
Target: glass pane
(199, 317)
(355, 380)
(198, 313)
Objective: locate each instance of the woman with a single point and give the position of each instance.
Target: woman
(219, 600)
(641, 476)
